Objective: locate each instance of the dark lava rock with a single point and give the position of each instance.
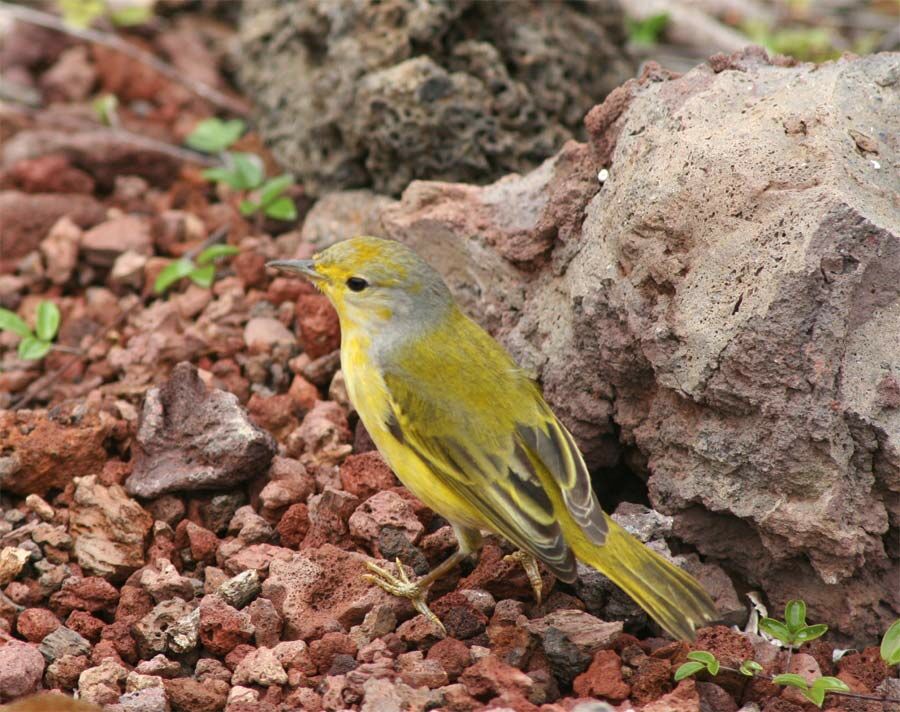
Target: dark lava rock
(191, 438)
(381, 93)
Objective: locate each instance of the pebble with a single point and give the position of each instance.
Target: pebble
(21, 669)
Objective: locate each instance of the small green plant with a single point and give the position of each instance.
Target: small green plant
(83, 13)
(202, 272)
(890, 644)
(647, 31)
(815, 693)
(243, 171)
(697, 660)
(750, 668)
(269, 200)
(34, 345)
(808, 44)
(215, 135)
(105, 108)
(793, 631)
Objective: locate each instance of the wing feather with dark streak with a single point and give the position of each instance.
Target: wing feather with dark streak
(557, 451)
(508, 493)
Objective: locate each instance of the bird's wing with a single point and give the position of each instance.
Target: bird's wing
(551, 444)
(493, 466)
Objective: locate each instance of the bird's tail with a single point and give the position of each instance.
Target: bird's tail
(671, 596)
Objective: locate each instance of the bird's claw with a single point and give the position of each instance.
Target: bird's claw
(530, 564)
(401, 586)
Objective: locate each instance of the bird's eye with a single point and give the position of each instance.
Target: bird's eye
(357, 284)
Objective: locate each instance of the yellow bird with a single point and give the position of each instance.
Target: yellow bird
(469, 433)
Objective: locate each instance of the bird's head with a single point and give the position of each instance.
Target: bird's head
(375, 283)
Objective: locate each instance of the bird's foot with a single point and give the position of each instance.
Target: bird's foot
(530, 564)
(401, 586)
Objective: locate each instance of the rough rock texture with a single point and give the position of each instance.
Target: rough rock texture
(728, 301)
(21, 668)
(191, 438)
(39, 453)
(25, 219)
(364, 93)
(109, 529)
(311, 603)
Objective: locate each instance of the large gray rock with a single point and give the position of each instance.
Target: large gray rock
(722, 314)
(191, 438)
(365, 93)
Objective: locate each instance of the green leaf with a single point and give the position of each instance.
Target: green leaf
(688, 669)
(248, 169)
(701, 656)
(171, 273)
(81, 13)
(248, 207)
(282, 209)
(214, 135)
(221, 175)
(791, 680)
(47, 320)
(131, 15)
(890, 644)
(776, 629)
(647, 31)
(32, 348)
(810, 632)
(831, 684)
(214, 252)
(10, 321)
(104, 108)
(795, 615)
(814, 695)
(204, 276)
(274, 187)
(750, 668)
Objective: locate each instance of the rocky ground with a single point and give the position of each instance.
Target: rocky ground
(188, 500)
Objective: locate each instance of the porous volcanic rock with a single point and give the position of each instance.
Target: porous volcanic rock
(379, 93)
(728, 300)
(322, 590)
(40, 451)
(109, 529)
(191, 438)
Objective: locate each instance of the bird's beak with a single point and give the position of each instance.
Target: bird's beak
(307, 268)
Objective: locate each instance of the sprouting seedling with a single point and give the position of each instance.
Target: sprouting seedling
(34, 345)
(750, 668)
(269, 200)
(105, 108)
(215, 135)
(243, 171)
(890, 644)
(697, 660)
(202, 272)
(815, 693)
(793, 631)
(83, 13)
(647, 31)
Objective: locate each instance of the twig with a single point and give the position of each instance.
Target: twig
(217, 236)
(67, 350)
(43, 19)
(182, 154)
(177, 152)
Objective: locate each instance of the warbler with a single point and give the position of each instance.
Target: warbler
(469, 433)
